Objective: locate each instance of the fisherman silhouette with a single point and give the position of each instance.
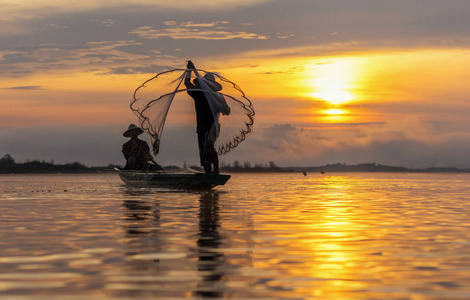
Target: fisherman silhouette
(137, 152)
(205, 117)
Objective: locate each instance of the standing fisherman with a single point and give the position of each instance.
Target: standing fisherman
(205, 117)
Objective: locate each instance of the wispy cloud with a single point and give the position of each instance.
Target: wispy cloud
(26, 87)
(292, 70)
(209, 24)
(53, 57)
(36, 8)
(199, 31)
(15, 57)
(108, 22)
(284, 35)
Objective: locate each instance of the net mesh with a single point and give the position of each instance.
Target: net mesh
(153, 99)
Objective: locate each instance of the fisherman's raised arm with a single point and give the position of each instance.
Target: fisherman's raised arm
(187, 79)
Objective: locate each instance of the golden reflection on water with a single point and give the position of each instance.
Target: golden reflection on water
(344, 237)
(320, 252)
(269, 236)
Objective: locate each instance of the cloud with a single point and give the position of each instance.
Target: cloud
(148, 69)
(26, 87)
(90, 56)
(32, 9)
(409, 142)
(210, 24)
(15, 58)
(291, 70)
(110, 22)
(186, 33)
(284, 35)
(198, 31)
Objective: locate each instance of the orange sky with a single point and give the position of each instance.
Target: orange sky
(327, 89)
(354, 80)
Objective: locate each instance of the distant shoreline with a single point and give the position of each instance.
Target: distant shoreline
(374, 167)
(8, 166)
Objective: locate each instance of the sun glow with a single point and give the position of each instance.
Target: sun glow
(334, 96)
(334, 115)
(334, 111)
(333, 82)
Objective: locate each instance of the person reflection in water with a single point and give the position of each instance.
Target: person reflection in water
(141, 224)
(137, 152)
(209, 239)
(205, 117)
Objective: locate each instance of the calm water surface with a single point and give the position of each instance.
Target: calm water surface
(262, 236)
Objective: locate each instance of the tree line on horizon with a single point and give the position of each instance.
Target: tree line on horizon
(237, 166)
(8, 165)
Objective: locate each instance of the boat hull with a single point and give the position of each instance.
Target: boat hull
(173, 180)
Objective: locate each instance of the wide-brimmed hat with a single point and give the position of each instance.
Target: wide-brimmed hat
(132, 130)
(209, 79)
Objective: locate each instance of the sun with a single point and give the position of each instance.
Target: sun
(334, 115)
(334, 96)
(334, 111)
(332, 82)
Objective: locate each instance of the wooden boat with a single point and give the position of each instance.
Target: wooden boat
(172, 180)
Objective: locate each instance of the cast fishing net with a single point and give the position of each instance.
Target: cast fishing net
(232, 111)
